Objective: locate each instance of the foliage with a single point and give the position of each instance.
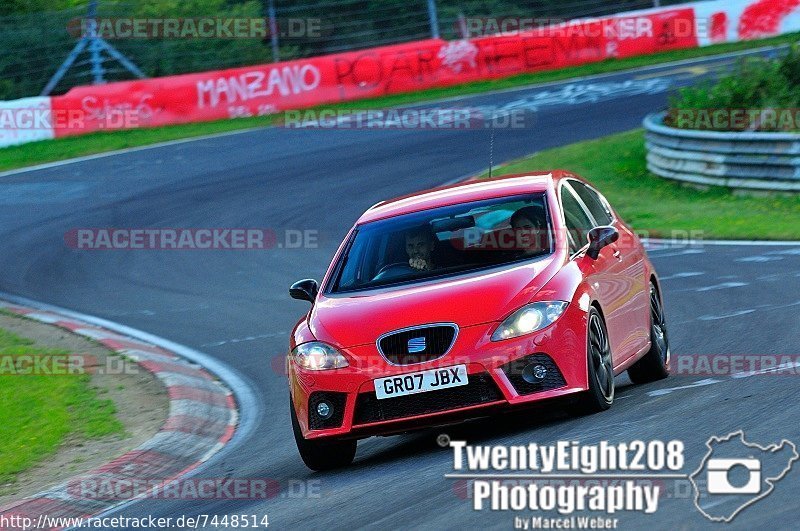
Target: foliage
(754, 85)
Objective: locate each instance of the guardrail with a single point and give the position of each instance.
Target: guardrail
(747, 161)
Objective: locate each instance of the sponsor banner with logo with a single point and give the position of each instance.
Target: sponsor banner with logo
(268, 89)
(249, 91)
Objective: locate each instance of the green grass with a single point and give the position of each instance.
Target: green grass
(40, 412)
(64, 148)
(616, 165)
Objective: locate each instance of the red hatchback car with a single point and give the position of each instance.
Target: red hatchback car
(451, 303)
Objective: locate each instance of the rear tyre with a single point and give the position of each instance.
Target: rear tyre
(600, 365)
(655, 364)
(322, 454)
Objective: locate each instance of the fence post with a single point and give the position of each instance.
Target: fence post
(273, 31)
(462, 26)
(433, 18)
(95, 46)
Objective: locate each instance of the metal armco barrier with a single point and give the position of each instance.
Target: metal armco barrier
(747, 161)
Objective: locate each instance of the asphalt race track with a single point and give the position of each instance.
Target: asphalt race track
(233, 305)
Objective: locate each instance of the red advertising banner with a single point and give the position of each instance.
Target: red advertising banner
(764, 18)
(267, 89)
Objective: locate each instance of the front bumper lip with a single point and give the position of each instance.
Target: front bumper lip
(560, 341)
(441, 418)
(450, 416)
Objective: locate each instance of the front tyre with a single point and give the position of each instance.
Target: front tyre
(655, 364)
(322, 454)
(600, 364)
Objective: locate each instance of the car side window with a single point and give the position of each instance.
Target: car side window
(578, 222)
(593, 202)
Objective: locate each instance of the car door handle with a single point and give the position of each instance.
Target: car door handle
(618, 255)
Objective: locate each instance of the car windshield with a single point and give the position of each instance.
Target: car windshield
(444, 241)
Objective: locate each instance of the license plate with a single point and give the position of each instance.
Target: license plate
(421, 382)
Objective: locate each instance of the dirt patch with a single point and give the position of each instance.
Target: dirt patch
(140, 398)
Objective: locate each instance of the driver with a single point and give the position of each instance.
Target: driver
(419, 247)
(529, 230)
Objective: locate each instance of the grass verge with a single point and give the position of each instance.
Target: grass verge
(616, 165)
(64, 148)
(40, 412)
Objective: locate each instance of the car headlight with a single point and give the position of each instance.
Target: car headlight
(318, 356)
(528, 319)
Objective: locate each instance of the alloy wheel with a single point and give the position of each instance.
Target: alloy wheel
(601, 357)
(659, 325)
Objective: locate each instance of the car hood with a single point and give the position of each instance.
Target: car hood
(350, 320)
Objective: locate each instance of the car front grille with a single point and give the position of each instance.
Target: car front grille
(418, 344)
(515, 372)
(481, 389)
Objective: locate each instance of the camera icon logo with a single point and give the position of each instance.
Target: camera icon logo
(736, 473)
(719, 476)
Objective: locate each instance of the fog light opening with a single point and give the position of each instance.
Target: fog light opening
(534, 373)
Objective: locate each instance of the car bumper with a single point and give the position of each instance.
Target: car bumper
(496, 380)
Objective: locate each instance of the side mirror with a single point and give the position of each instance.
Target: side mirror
(600, 237)
(304, 290)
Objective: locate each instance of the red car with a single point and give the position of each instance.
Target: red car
(453, 303)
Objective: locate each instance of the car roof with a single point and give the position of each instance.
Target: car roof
(465, 192)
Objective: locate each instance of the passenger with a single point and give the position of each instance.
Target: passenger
(528, 224)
